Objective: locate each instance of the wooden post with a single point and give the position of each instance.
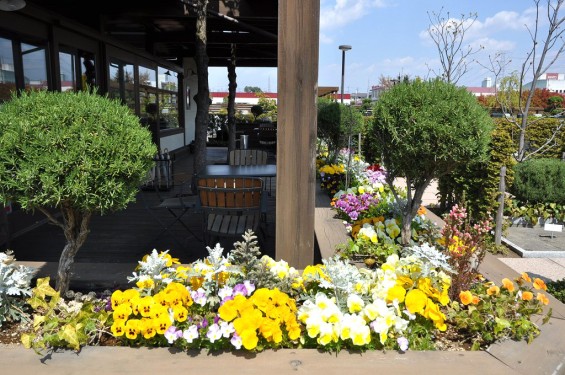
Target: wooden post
(500, 211)
(298, 34)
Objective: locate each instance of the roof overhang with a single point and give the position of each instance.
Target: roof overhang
(167, 28)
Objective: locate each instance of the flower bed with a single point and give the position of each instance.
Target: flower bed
(248, 302)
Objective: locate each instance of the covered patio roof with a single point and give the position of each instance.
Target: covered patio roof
(166, 28)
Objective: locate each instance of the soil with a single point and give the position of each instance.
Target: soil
(11, 332)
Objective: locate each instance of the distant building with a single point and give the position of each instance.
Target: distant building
(245, 100)
(554, 82)
(485, 89)
(376, 92)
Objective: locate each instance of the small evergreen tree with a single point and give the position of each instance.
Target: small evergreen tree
(77, 152)
(423, 130)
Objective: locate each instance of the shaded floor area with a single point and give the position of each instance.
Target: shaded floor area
(125, 236)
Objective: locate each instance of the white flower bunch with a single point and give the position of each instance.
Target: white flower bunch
(281, 269)
(154, 266)
(14, 285)
(431, 258)
(14, 279)
(342, 277)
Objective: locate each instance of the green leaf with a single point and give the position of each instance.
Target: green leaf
(27, 340)
(43, 288)
(69, 334)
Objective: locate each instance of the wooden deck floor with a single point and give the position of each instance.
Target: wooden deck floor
(125, 236)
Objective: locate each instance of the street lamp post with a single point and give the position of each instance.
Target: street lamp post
(344, 48)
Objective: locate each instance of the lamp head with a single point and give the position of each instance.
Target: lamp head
(344, 47)
(12, 5)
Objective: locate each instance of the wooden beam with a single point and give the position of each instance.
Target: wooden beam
(296, 134)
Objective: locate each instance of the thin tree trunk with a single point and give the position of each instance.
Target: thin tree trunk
(412, 205)
(232, 89)
(202, 98)
(76, 231)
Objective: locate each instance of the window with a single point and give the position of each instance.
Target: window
(122, 83)
(34, 67)
(7, 70)
(168, 99)
(67, 65)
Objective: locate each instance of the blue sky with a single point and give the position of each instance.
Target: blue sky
(389, 37)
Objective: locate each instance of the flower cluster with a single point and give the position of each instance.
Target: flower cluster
(136, 314)
(465, 244)
(267, 314)
(14, 286)
(352, 207)
(332, 177)
(362, 308)
(490, 312)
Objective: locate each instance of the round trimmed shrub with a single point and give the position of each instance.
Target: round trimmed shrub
(78, 152)
(540, 181)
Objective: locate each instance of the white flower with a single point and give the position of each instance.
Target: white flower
(226, 328)
(190, 334)
(225, 292)
(355, 303)
(236, 341)
(214, 333)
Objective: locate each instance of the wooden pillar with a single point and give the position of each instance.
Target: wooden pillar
(298, 35)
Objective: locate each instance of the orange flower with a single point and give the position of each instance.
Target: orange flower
(475, 300)
(539, 284)
(542, 298)
(526, 277)
(507, 284)
(466, 297)
(527, 296)
(422, 210)
(493, 290)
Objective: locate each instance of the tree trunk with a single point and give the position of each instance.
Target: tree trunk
(412, 205)
(232, 89)
(76, 231)
(202, 98)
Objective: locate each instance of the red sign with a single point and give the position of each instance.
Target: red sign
(549, 76)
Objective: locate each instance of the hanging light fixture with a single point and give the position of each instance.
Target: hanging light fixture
(12, 5)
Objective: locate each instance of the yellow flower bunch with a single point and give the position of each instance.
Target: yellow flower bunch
(263, 314)
(421, 293)
(148, 315)
(332, 169)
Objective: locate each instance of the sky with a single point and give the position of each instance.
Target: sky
(390, 38)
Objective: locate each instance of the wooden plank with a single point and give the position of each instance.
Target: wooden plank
(283, 361)
(330, 231)
(298, 44)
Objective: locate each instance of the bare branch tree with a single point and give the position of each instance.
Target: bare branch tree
(448, 35)
(546, 47)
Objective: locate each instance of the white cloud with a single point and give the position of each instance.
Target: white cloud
(338, 13)
(325, 39)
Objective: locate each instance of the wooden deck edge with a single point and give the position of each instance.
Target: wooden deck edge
(328, 230)
(283, 361)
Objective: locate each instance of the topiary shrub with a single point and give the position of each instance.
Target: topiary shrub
(540, 181)
(77, 152)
